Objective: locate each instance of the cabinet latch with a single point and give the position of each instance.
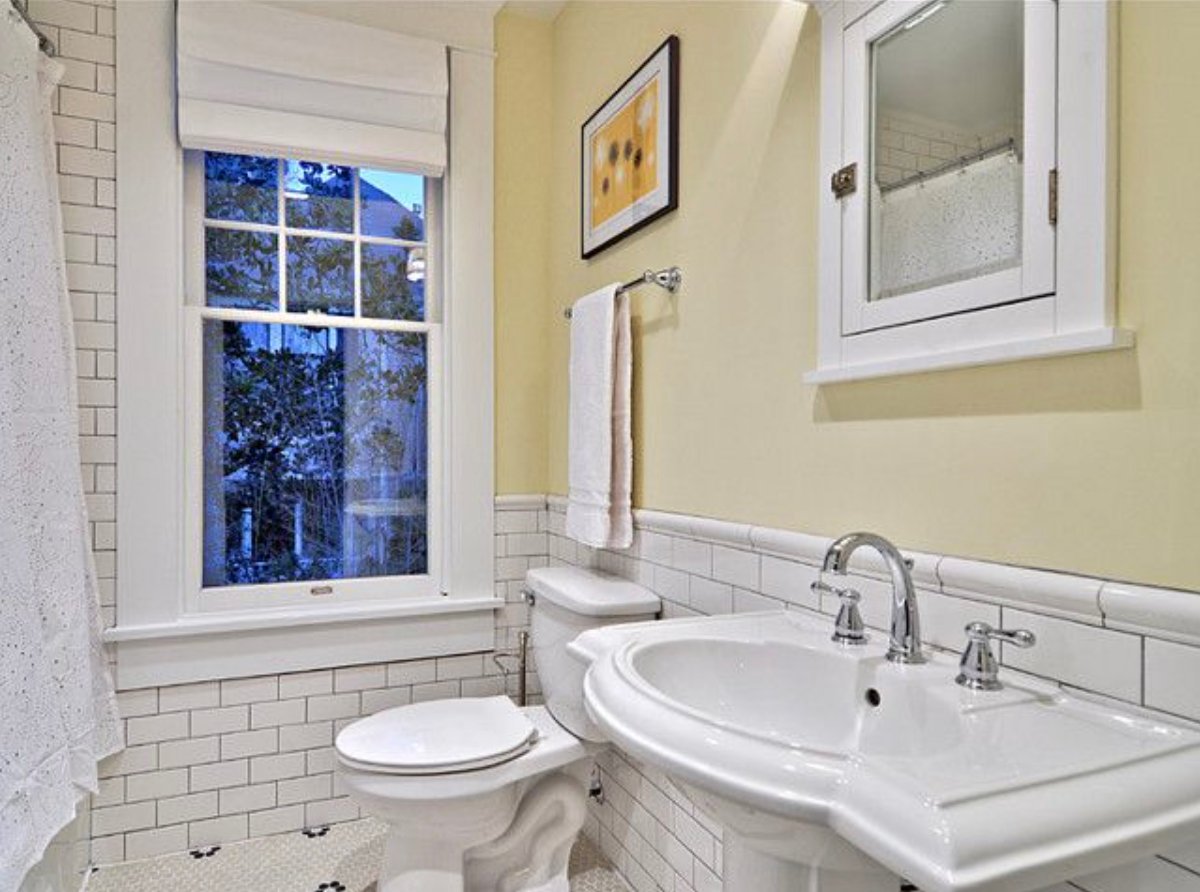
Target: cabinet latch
(1054, 197)
(845, 181)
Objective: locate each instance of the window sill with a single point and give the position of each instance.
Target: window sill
(263, 642)
(1093, 341)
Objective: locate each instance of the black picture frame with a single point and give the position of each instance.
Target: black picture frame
(665, 59)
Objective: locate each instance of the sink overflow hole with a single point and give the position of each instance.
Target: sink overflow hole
(873, 697)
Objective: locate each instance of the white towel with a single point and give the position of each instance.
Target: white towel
(600, 455)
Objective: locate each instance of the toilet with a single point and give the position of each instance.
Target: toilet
(480, 795)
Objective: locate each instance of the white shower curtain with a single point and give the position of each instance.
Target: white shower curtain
(58, 715)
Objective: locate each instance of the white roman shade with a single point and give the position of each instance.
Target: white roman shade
(258, 79)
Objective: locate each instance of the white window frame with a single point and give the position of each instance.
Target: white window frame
(163, 635)
(1062, 299)
(199, 599)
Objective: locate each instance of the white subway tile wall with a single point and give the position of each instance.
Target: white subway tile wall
(84, 116)
(910, 144)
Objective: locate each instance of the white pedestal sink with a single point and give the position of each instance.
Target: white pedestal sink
(833, 770)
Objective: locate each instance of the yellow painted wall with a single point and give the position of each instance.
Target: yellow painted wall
(1089, 464)
(523, 82)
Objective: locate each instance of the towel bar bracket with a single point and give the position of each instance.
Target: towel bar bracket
(670, 279)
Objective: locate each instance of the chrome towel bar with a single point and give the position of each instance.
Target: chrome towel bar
(670, 279)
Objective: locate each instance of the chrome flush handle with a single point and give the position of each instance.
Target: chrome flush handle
(978, 668)
(848, 627)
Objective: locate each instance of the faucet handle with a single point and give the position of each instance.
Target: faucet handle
(848, 627)
(979, 631)
(821, 587)
(978, 668)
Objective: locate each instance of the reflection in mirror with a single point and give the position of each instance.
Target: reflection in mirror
(946, 137)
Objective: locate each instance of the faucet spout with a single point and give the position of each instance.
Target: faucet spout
(905, 637)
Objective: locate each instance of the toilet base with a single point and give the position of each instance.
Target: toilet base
(523, 845)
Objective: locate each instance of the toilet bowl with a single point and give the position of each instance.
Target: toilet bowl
(480, 795)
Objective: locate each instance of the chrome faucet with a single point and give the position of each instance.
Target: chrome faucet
(905, 643)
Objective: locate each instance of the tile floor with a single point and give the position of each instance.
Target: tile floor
(340, 858)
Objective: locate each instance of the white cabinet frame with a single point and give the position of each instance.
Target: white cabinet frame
(1062, 299)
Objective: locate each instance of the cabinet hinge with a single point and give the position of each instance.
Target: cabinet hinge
(1054, 197)
(845, 181)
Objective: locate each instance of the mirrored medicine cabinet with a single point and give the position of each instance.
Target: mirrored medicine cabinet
(968, 184)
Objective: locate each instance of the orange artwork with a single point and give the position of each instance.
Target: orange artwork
(624, 156)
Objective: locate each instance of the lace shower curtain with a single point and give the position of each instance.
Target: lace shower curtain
(58, 712)
(955, 226)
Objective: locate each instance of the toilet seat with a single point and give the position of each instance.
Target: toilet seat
(438, 737)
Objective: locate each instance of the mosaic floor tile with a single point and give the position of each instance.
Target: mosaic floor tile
(340, 858)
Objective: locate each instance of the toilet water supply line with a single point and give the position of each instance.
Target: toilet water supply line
(522, 662)
(522, 656)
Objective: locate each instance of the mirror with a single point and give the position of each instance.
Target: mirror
(946, 146)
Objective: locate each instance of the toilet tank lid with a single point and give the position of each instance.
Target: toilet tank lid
(591, 593)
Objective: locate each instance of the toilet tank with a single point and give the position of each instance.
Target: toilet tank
(567, 601)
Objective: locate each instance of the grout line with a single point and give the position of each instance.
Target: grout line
(1181, 866)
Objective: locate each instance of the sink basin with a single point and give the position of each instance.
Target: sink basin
(832, 768)
(797, 697)
(755, 688)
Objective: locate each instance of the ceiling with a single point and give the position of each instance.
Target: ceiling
(547, 10)
(962, 65)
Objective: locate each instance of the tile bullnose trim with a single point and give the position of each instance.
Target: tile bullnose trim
(1171, 614)
(663, 522)
(787, 544)
(1060, 594)
(707, 529)
(1164, 613)
(520, 502)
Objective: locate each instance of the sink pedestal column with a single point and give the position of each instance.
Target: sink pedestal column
(750, 870)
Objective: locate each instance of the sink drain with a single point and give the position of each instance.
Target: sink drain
(872, 697)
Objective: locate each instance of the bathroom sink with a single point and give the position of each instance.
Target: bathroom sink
(833, 767)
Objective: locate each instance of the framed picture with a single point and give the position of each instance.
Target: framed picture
(630, 154)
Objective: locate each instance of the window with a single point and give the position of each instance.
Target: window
(370, 532)
(313, 364)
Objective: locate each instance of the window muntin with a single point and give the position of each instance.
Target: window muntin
(316, 348)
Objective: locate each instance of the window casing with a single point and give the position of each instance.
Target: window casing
(315, 322)
(158, 636)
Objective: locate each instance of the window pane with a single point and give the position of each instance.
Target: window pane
(393, 204)
(315, 453)
(319, 196)
(241, 187)
(241, 269)
(393, 282)
(320, 275)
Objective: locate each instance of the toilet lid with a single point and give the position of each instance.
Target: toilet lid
(439, 736)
